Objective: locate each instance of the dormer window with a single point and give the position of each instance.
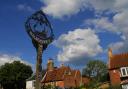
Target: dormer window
(124, 71)
(67, 73)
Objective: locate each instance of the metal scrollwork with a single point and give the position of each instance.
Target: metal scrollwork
(39, 28)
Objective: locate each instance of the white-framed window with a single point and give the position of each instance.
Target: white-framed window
(124, 71)
(67, 72)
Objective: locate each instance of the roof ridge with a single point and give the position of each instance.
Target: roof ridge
(121, 54)
(118, 60)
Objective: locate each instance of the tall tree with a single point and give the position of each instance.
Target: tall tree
(96, 69)
(14, 75)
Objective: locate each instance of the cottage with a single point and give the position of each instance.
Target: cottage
(63, 77)
(118, 69)
(30, 82)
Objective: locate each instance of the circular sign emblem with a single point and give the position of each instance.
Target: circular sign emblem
(39, 28)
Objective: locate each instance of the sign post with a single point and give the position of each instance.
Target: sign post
(41, 33)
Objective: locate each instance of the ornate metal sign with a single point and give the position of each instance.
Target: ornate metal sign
(39, 28)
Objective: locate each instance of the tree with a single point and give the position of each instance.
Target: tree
(96, 69)
(14, 75)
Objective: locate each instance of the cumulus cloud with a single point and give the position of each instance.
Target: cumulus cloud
(101, 5)
(121, 5)
(101, 24)
(108, 5)
(25, 7)
(116, 46)
(119, 21)
(117, 24)
(78, 46)
(121, 46)
(60, 8)
(4, 58)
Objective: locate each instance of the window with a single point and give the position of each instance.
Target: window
(127, 71)
(67, 73)
(124, 71)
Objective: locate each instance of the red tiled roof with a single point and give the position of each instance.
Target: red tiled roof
(119, 60)
(56, 74)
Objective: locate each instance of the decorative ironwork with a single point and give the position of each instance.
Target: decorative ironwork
(39, 29)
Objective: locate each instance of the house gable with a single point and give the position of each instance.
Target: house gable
(118, 67)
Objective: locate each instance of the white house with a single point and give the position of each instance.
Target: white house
(30, 84)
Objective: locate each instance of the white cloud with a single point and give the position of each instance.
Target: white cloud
(110, 5)
(78, 46)
(101, 24)
(101, 5)
(116, 46)
(120, 20)
(118, 26)
(121, 5)
(25, 7)
(121, 46)
(118, 23)
(4, 58)
(60, 8)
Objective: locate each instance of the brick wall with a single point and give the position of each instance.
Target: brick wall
(69, 81)
(115, 77)
(60, 84)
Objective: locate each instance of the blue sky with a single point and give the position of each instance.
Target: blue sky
(84, 30)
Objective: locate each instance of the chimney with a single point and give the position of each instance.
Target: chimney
(50, 65)
(110, 53)
(62, 65)
(109, 57)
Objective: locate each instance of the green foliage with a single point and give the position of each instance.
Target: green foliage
(96, 69)
(93, 85)
(14, 75)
